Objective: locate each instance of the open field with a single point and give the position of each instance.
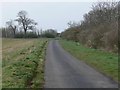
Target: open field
(105, 62)
(23, 62)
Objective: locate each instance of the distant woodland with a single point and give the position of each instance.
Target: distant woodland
(25, 27)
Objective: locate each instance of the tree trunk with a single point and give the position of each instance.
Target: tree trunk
(25, 33)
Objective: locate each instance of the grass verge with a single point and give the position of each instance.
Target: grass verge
(104, 62)
(20, 69)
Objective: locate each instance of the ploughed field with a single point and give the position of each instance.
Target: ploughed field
(23, 63)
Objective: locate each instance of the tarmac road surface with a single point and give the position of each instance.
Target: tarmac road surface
(62, 70)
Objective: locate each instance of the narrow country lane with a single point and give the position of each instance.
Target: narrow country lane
(64, 71)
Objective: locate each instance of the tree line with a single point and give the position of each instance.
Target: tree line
(99, 29)
(25, 27)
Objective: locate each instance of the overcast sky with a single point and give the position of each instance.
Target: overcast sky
(54, 15)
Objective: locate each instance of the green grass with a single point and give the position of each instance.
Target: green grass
(21, 67)
(104, 62)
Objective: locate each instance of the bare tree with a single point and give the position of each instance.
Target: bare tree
(25, 22)
(12, 26)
